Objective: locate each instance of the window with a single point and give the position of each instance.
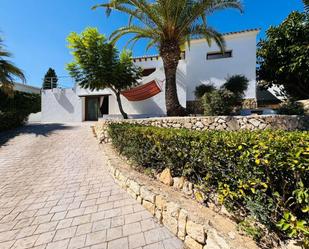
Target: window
(148, 71)
(219, 55)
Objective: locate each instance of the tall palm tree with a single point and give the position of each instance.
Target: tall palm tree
(8, 71)
(169, 24)
(306, 3)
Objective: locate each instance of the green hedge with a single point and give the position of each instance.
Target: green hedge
(20, 101)
(13, 119)
(263, 175)
(15, 110)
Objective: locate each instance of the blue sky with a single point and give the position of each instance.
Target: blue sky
(35, 31)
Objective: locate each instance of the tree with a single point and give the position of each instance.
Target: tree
(237, 84)
(98, 65)
(283, 57)
(8, 71)
(169, 24)
(306, 3)
(224, 100)
(50, 79)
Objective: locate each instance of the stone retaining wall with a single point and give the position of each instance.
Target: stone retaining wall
(198, 226)
(230, 123)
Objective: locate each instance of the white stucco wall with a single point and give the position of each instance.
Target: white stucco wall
(87, 92)
(62, 105)
(203, 71)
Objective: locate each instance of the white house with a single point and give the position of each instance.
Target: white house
(200, 64)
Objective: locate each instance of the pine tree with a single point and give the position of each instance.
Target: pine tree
(50, 79)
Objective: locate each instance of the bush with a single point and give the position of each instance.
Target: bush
(20, 101)
(219, 102)
(13, 119)
(201, 90)
(261, 174)
(15, 110)
(237, 84)
(291, 108)
(224, 100)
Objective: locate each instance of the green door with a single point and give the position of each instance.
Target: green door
(92, 109)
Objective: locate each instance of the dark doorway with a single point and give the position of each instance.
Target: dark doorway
(96, 107)
(92, 108)
(105, 106)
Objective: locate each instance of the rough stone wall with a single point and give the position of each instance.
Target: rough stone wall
(249, 103)
(229, 123)
(305, 105)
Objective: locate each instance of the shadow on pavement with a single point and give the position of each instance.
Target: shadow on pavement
(37, 129)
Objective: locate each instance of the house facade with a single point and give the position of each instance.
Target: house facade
(199, 64)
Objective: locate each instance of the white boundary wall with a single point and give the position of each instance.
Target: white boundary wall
(62, 105)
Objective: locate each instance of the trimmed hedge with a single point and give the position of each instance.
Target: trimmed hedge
(13, 119)
(20, 101)
(15, 110)
(261, 175)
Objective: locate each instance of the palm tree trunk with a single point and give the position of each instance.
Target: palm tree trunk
(170, 53)
(118, 98)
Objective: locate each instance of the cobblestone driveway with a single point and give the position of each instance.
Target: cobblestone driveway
(55, 194)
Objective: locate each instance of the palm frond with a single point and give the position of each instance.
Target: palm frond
(8, 71)
(143, 32)
(169, 20)
(306, 3)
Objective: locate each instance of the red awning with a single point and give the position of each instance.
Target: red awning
(142, 92)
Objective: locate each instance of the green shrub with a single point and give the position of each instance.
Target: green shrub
(218, 102)
(15, 110)
(20, 101)
(261, 174)
(224, 100)
(291, 108)
(202, 89)
(12, 119)
(237, 84)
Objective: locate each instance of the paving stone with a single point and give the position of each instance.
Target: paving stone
(156, 235)
(77, 242)
(131, 218)
(158, 245)
(84, 229)
(45, 238)
(61, 244)
(96, 237)
(64, 223)
(118, 244)
(114, 233)
(27, 242)
(136, 240)
(7, 245)
(46, 227)
(99, 246)
(172, 243)
(148, 224)
(117, 221)
(65, 233)
(26, 231)
(81, 220)
(132, 228)
(101, 225)
(59, 215)
(75, 212)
